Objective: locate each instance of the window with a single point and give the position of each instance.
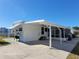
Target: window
(20, 29)
(42, 30)
(16, 30)
(46, 29)
(57, 31)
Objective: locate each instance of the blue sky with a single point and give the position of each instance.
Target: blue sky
(62, 12)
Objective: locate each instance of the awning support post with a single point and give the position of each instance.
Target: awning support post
(50, 38)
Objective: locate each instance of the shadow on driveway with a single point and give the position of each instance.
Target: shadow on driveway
(66, 46)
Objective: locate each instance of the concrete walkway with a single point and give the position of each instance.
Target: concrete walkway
(37, 50)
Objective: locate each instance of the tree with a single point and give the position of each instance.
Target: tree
(76, 28)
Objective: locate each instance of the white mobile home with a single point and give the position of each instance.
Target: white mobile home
(35, 30)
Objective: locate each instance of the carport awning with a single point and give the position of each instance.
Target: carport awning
(43, 22)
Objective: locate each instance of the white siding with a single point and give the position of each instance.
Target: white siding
(31, 32)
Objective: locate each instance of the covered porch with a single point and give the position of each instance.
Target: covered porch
(55, 32)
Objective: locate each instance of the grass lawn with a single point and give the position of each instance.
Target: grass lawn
(2, 37)
(75, 53)
(3, 42)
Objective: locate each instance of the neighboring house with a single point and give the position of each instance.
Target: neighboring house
(76, 32)
(10, 33)
(34, 30)
(3, 31)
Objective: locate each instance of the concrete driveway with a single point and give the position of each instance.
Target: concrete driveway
(37, 50)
